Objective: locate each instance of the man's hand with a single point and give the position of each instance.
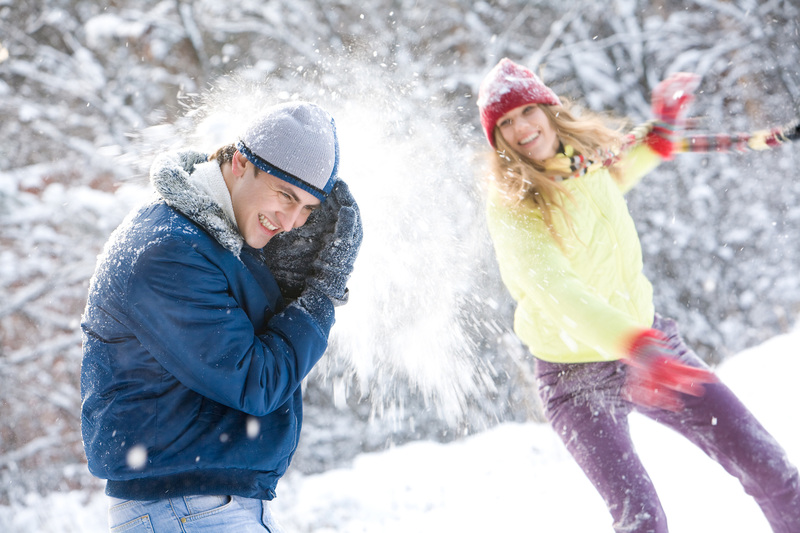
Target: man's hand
(293, 256)
(333, 265)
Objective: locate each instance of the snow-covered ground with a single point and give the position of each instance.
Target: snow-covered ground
(514, 477)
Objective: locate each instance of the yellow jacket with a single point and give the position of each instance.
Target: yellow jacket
(584, 301)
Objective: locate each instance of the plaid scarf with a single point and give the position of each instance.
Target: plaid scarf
(567, 164)
(738, 142)
(575, 165)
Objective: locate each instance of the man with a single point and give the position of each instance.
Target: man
(193, 362)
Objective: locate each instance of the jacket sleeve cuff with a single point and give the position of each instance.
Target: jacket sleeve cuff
(318, 306)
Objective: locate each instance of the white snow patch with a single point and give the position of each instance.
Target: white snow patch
(514, 477)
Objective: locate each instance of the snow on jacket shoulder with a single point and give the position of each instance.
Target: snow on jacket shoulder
(192, 365)
(578, 302)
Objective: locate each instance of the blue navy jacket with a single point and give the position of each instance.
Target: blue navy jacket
(192, 365)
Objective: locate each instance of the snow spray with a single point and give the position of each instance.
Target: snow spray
(412, 292)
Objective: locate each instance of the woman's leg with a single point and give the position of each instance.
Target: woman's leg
(720, 425)
(583, 404)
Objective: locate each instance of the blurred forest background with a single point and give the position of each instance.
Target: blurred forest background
(90, 90)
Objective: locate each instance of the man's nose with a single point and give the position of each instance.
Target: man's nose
(291, 218)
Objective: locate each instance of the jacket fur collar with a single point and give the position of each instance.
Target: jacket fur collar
(170, 175)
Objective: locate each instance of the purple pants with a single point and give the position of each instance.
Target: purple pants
(583, 403)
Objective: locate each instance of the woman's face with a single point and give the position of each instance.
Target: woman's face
(529, 132)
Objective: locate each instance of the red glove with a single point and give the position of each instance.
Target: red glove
(656, 378)
(670, 102)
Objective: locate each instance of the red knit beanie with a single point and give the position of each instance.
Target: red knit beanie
(506, 87)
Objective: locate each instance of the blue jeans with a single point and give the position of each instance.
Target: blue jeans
(191, 514)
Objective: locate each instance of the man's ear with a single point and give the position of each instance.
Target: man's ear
(238, 164)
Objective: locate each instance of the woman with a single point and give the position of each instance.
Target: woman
(570, 256)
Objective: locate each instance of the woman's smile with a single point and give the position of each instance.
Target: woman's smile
(528, 130)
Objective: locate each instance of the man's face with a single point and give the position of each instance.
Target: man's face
(265, 205)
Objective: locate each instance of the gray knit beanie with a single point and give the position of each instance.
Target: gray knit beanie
(297, 143)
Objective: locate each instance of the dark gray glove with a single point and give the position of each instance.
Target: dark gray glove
(290, 255)
(293, 256)
(334, 263)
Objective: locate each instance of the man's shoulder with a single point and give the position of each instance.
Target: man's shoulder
(154, 225)
(158, 219)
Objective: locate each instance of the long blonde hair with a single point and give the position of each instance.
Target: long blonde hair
(521, 178)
